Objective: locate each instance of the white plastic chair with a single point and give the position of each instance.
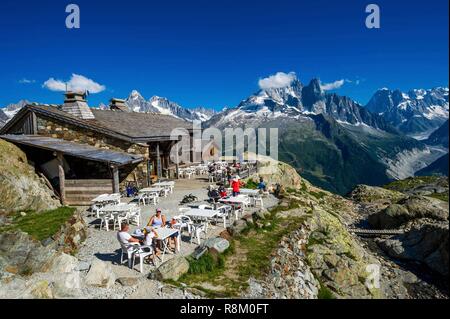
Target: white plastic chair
(196, 231)
(135, 217)
(105, 220)
(127, 250)
(119, 219)
(142, 252)
(258, 202)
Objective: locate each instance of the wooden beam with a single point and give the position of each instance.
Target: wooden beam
(116, 182)
(158, 162)
(149, 172)
(62, 178)
(177, 164)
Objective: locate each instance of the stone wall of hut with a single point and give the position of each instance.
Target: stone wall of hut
(55, 129)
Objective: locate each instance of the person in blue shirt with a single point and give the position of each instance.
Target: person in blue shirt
(262, 185)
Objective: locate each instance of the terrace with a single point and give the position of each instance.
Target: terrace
(102, 244)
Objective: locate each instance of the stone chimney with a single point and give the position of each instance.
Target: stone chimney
(118, 105)
(75, 104)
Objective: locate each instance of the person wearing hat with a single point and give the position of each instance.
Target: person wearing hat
(236, 186)
(157, 220)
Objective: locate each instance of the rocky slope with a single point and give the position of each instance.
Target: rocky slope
(323, 259)
(438, 167)
(3, 118)
(413, 207)
(440, 136)
(20, 188)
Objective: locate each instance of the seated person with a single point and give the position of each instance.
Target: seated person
(262, 185)
(157, 220)
(213, 194)
(222, 191)
(174, 237)
(124, 237)
(150, 234)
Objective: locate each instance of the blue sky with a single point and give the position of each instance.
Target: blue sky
(213, 53)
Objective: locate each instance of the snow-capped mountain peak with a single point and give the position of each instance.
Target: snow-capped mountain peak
(296, 101)
(415, 112)
(137, 103)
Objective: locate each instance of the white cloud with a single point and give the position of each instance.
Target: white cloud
(26, 81)
(332, 86)
(355, 82)
(77, 83)
(277, 81)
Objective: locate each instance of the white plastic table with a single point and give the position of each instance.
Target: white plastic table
(151, 190)
(250, 192)
(205, 213)
(104, 198)
(236, 201)
(165, 233)
(120, 208)
(167, 185)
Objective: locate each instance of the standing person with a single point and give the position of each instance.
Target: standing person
(236, 186)
(229, 177)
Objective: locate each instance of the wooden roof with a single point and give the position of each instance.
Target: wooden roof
(129, 126)
(74, 149)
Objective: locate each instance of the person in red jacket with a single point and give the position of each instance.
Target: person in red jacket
(236, 186)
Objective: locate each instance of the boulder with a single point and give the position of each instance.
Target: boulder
(426, 243)
(370, 194)
(237, 227)
(23, 255)
(66, 285)
(83, 266)
(392, 217)
(128, 281)
(219, 244)
(225, 235)
(261, 214)
(100, 275)
(414, 207)
(21, 189)
(42, 290)
(248, 218)
(64, 263)
(172, 269)
(426, 207)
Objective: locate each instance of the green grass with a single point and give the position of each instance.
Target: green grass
(251, 184)
(42, 225)
(318, 195)
(412, 182)
(255, 244)
(325, 293)
(442, 196)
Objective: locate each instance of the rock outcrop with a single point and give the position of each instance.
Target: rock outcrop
(20, 188)
(405, 210)
(370, 194)
(275, 172)
(426, 243)
(338, 260)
